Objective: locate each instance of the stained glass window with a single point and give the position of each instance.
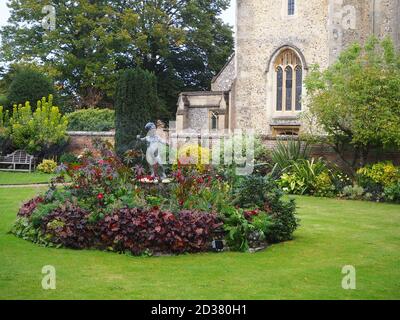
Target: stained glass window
(279, 93)
(289, 87)
(214, 121)
(291, 6)
(299, 87)
(289, 81)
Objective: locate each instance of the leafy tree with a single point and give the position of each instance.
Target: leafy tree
(356, 101)
(136, 100)
(29, 85)
(41, 132)
(9, 72)
(3, 100)
(3, 89)
(183, 42)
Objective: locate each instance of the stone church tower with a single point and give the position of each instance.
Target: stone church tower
(262, 87)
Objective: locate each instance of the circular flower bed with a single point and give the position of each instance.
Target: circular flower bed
(107, 206)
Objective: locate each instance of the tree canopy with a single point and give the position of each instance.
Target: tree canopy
(29, 85)
(356, 101)
(183, 42)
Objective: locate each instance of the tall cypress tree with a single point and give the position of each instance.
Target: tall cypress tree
(136, 102)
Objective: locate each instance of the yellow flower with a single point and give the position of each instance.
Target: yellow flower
(194, 155)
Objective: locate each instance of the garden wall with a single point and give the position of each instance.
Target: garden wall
(81, 140)
(374, 156)
(327, 152)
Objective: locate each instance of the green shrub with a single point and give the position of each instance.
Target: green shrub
(262, 223)
(5, 142)
(261, 153)
(323, 185)
(353, 192)
(3, 100)
(68, 158)
(47, 166)
(375, 178)
(340, 180)
(285, 153)
(382, 173)
(41, 211)
(284, 221)
(238, 228)
(307, 177)
(136, 101)
(91, 120)
(29, 85)
(292, 184)
(41, 132)
(245, 195)
(66, 107)
(392, 193)
(24, 229)
(3, 114)
(268, 198)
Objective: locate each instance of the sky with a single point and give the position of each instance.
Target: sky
(228, 16)
(3, 12)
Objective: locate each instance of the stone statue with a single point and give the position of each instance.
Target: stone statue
(152, 154)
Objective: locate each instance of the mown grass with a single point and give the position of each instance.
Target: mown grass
(333, 234)
(21, 178)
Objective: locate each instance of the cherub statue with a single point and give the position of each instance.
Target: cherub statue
(152, 154)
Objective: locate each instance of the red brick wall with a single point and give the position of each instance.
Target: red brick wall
(329, 154)
(82, 140)
(79, 141)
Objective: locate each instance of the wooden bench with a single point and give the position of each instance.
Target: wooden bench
(18, 161)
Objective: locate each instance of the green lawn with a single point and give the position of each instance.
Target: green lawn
(334, 233)
(15, 178)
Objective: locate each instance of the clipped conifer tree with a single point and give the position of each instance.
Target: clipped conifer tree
(136, 103)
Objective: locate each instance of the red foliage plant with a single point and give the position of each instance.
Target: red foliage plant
(138, 230)
(96, 177)
(249, 214)
(190, 181)
(27, 208)
(69, 226)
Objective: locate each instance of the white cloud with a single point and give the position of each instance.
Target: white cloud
(4, 12)
(229, 15)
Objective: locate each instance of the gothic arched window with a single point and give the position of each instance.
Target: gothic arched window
(214, 121)
(279, 88)
(289, 87)
(289, 81)
(299, 87)
(291, 7)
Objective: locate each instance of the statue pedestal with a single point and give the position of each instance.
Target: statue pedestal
(154, 181)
